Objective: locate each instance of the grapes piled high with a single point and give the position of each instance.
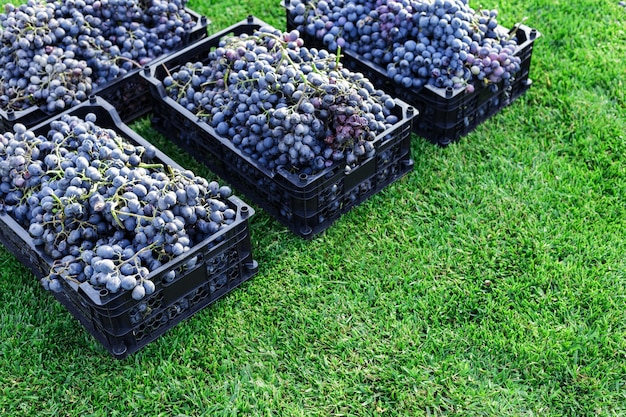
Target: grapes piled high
(284, 104)
(444, 43)
(53, 54)
(102, 208)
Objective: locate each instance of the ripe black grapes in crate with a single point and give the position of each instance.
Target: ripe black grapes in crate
(56, 54)
(455, 65)
(139, 285)
(285, 125)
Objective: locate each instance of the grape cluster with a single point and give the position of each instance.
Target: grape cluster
(284, 104)
(105, 210)
(443, 43)
(53, 54)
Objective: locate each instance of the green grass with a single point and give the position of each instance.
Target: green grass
(490, 281)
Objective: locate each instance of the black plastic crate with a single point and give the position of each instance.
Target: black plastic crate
(444, 114)
(306, 204)
(210, 270)
(129, 94)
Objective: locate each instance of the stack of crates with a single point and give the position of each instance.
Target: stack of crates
(122, 324)
(306, 204)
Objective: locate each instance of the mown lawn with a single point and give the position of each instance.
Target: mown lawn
(490, 281)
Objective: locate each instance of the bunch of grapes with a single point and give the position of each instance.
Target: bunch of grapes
(284, 104)
(54, 53)
(103, 208)
(444, 43)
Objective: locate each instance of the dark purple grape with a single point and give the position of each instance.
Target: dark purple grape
(85, 211)
(275, 107)
(56, 53)
(418, 43)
